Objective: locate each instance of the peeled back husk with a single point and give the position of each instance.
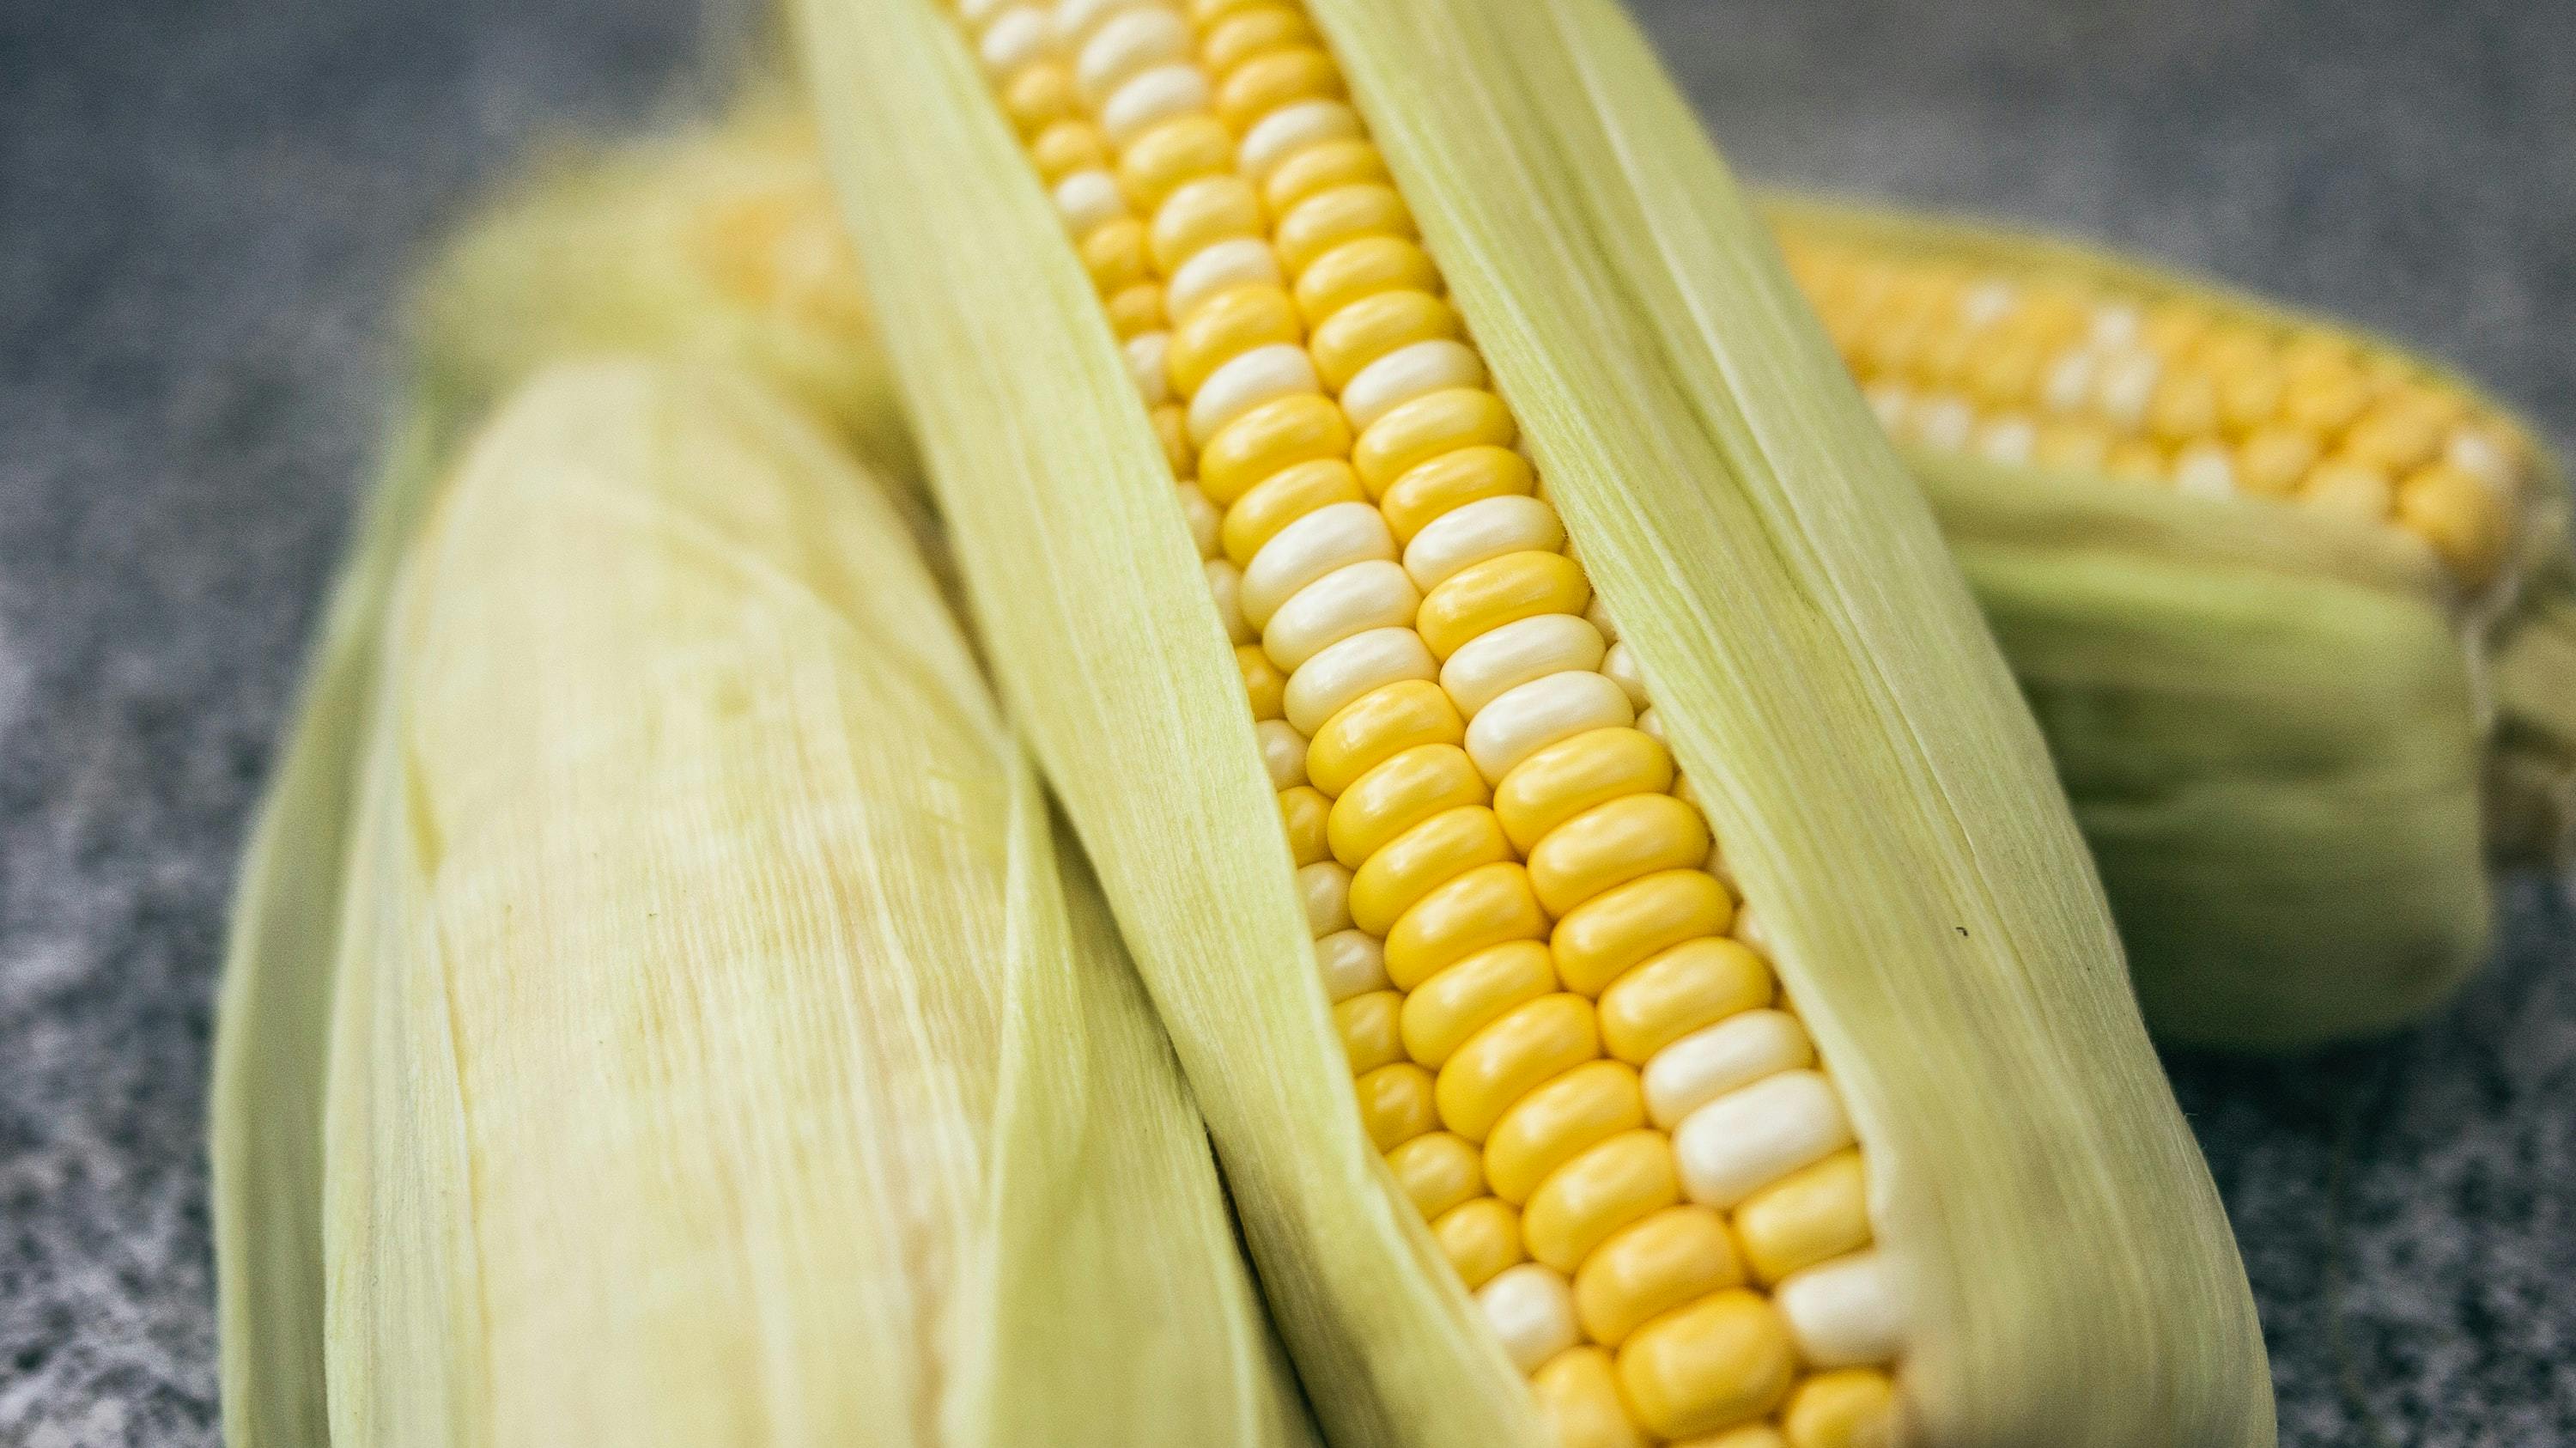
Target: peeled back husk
(1831, 692)
(718, 1042)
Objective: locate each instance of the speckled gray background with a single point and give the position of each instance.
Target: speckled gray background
(203, 204)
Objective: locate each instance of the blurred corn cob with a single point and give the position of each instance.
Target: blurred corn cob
(2276, 721)
(1894, 1160)
(704, 1039)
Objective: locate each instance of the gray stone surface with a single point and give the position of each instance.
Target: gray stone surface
(205, 203)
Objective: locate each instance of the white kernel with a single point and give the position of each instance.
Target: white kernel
(1075, 19)
(2127, 384)
(1205, 523)
(1531, 1309)
(1944, 421)
(1151, 97)
(1126, 43)
(1332, 537)
(1283, 753)
(1988, 302)
(1374, 594)
(1474, 532)
(1743, 1141)
(1290, 129)
(2204, 470)
(2475, 453)
(1501, 659)
(1893, 401)
(2006, 439)
(1355, 666)
(1352, 963)
(1651, 723)
(1089, 199)
(1845, 1313)
(1538, 714)
(1713, 1060)
(1247, 380)
(2115, 324)
(1619, 666)
(1240, 261)
(2069, 380)
(1597, 614)
(1225, 584)
(1325, 889)
(1015, 38)
(1406, 373)
(1147, 362)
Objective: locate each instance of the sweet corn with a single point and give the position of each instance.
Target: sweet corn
(1514, 903)
(2305, 685)
(704, 1036)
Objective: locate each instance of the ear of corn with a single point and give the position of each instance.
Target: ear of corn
(2296, 727)
(722, 1046)
(2050, 1262)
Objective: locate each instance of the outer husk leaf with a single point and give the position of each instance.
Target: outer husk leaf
(722, 1049)
(1093, 610)
(1828, 685)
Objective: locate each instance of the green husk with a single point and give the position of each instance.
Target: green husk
(1881, 792)
(723, 1046)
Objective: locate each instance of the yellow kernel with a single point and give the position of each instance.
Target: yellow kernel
(1438, 1171)
(1718, 1362)
(1614, 843)
(1578, 1396)
(1279, 433)
(1283, 498)
(1136, 310)
(1455, 1003)
(2461, 517)
(1486, 906)
(1363, 268)
(1598, 940)
(1812, 1215)
(1373, 326)
(1176, 151)
(1453, 480)
(2323, 400)
(1370, 1030)
(1114, 254)
(1603, 1188)
(1201, 213)
(1223, 327)
(1324, 221)
(1038, 96)
(1669, 1259)
(1066, 147)
(1272, 79)
(2398, 434)
(1264, 684)
(2184, 407)
(2344, 489)
(1395, 1104)
(1430, 854)
(1247, 33)
(1320, 168)
(1303, 809)
(1376, 727)
(1499, 1064)
(1591, 1103)
(1398, 793)
(1677, 991)
(1478, 599)
(2067, 446)
(1172, 430)
(1572, 775)
(2272, 459)
(1481, 1238)
(1845, 1408)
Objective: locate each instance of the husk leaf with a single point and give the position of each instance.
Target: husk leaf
(723, 1046)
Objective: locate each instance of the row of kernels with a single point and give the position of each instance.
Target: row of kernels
(2169, 394)
(1430, 1163)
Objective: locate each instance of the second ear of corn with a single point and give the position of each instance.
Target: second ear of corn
(1634, 1003)
(662, 1009)
(2298, 734)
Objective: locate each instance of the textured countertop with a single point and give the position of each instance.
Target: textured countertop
(205, 203)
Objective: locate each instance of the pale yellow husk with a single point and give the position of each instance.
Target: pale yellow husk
(722, 1045)
(1877, 784)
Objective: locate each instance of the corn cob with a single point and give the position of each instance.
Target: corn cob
(719, 1049)
(1678, 1156)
